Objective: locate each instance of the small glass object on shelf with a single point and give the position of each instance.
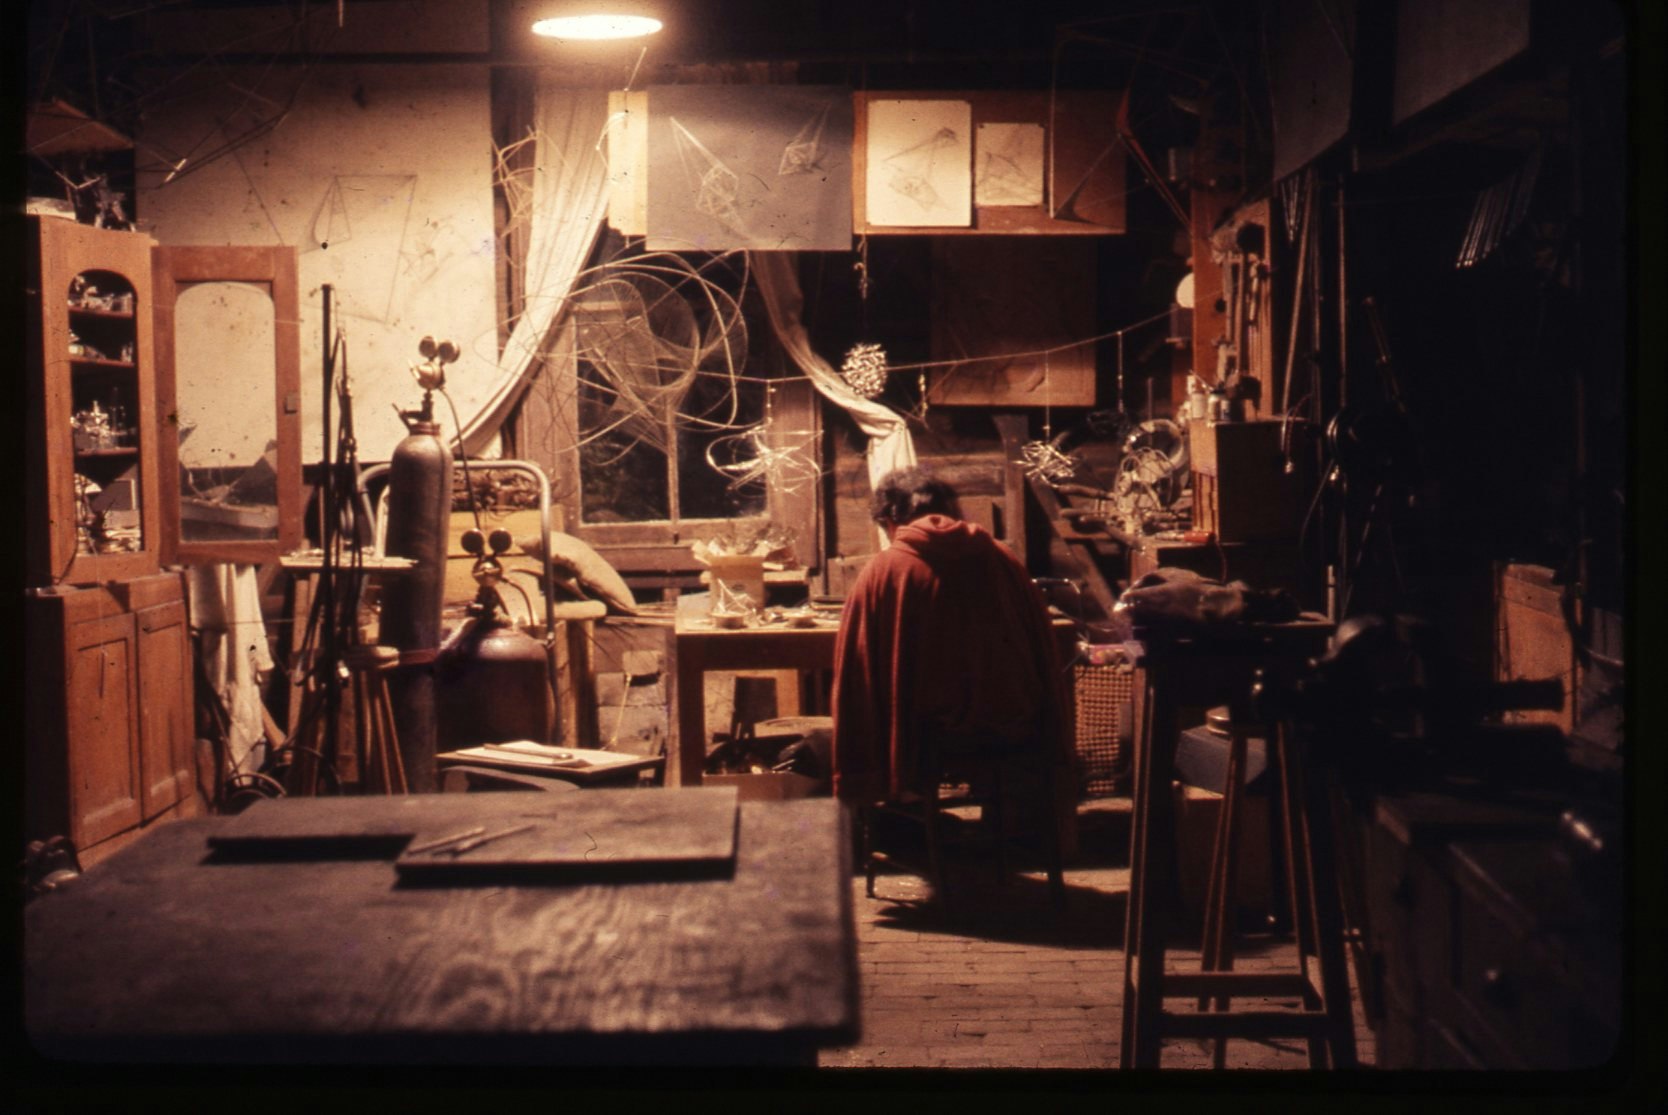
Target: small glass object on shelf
(92, 430)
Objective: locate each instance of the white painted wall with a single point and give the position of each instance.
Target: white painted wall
(381, 177)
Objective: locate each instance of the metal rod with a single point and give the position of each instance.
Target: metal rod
(452, 839)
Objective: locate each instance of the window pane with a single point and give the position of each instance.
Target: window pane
(703, 491)
(622, 473)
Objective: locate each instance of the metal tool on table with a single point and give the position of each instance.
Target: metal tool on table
(459, 843)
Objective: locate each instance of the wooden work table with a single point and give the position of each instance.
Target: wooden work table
(697, 646)
(176, 952)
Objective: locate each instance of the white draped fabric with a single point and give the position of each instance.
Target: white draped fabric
(890, 445)
(570, 200)
(226, 609)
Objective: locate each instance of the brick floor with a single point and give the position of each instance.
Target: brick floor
(998, 980)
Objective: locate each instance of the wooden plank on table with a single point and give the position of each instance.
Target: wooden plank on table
(586, 838)
(582, 766)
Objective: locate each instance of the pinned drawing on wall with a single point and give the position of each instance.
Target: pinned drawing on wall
(920, 157)
(748, 167)
(1009, 162)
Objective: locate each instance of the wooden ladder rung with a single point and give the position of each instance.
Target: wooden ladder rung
(1265, 984)
(1244, 1024)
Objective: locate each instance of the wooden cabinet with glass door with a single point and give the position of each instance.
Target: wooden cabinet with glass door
(92, 491)
(112, 503)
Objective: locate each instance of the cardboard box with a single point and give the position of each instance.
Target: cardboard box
(769, 786)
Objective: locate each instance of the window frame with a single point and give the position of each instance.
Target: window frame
(663, 547)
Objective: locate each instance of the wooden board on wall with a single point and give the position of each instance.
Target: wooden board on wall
(1083, 162)
(997, 305)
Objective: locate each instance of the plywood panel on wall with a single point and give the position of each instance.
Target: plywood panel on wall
(1011, 315)
(1082, 162)
(381, 178)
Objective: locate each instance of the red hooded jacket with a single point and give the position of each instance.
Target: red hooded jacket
(943, 631)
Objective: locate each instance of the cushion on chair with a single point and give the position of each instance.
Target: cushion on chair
(576, 557)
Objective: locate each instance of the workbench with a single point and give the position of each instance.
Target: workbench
(175, 951)
(697, 646)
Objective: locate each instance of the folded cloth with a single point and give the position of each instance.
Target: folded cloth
(1180, 600)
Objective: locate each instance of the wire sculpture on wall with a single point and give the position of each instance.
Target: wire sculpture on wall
(1042, 460)
(652, 324)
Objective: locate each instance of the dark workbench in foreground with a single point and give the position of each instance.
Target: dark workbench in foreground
(165, 955)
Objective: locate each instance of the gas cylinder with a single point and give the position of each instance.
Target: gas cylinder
(419, 508)
(493, 685)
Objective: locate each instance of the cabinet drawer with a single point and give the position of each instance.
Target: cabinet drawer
(1512, 1003)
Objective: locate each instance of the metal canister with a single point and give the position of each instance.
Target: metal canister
(492, 686)
(419, 508)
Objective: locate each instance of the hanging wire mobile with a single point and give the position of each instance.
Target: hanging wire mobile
(865, 370)
(1042, 461)
(749, 457)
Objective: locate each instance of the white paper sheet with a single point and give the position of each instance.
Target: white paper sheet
(1008, 161)
(920, 164)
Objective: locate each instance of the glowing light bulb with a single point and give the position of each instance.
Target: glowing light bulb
(597, 27)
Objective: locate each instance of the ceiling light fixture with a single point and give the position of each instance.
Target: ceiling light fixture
(597, 27)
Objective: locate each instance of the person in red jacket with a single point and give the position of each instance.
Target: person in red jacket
(944, 641)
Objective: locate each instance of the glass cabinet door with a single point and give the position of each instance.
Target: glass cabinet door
(90, 491)
(228, 381)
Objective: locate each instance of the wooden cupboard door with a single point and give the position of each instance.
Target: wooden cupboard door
(101, 703)
(165, 727)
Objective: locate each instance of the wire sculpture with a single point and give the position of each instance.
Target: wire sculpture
(1043, 461)
(865, 370)
(749, 457)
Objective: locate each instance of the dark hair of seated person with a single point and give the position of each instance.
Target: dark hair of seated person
(906, 494)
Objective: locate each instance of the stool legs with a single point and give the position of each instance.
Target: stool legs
(1325, 1019)
(1152, 866)
(1308, 823)
(390, 764)
(1217, 948)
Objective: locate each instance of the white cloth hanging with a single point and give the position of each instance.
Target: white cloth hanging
(226, 611)
(890, 446)
(570, 200)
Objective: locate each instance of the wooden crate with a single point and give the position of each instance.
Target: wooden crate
(1241, 489)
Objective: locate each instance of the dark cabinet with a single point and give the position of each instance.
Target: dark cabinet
(1495, 949)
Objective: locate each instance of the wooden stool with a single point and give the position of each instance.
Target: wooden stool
(378, 747)
(1205, 671)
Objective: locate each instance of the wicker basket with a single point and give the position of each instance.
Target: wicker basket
(1103, 691)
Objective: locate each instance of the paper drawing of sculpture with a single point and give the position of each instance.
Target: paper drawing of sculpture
(803, 153)
(911, 170)
(717, 188)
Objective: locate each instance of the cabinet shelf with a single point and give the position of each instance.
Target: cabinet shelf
(116, 453)
(88, 311)
(97, 362)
